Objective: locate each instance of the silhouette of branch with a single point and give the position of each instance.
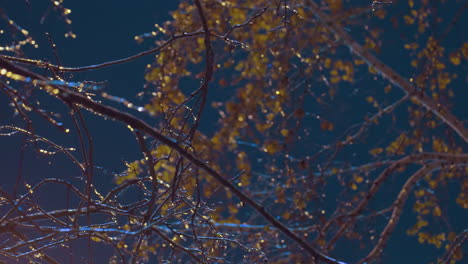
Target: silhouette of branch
(208, 75)
(43, 64)
(59, 148)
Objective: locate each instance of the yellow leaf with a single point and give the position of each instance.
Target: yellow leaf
(462, 200)
(388, 88)
(376, 151)
(326, 125)
(271, 146)
(233, 209)
(408, 19)
(451, 236)
(422, 237)
(242, 161)
(419, 193)
(455, 59)
(245, 179)
(358, 179)
(437, 211)
(421, 223)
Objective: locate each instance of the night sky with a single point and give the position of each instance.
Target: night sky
(105, 31)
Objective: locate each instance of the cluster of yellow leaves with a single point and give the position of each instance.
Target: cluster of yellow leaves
(462, 198)
(326, 125)
(167, 64)
(237, 15)
(272, 146)
(461, 54)
(243, 164)
(357, 179)
(163, 166)
(132, 172)
(436, 239)
(376, 151)
(418, 16)
(300, 201)
(439, 146)
(436, 74)
(426, 207)
(341, 70)
(373, 101)
(398, 146)
(243, 161)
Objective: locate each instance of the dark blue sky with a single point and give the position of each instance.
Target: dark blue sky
(105, 31)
